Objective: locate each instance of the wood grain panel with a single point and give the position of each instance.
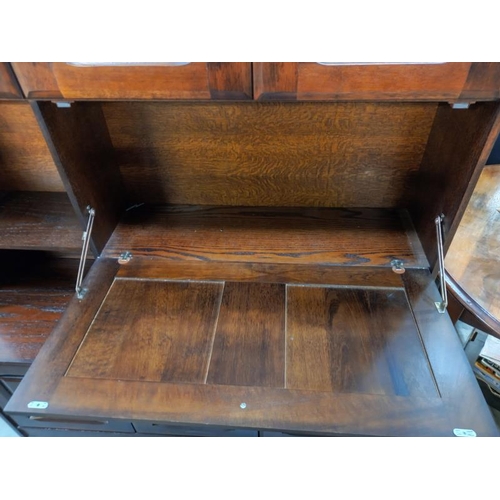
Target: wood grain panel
(267, 408)
(80, 145)
(400, 81)
(59, 349)
(459, 145)
(362, 237)
(37, 80)
(457, 385)
(315, 81)
(189, 81)
(154, 331)
(34, 292)
(473, 259)
(9, 89)
(364, 341)
(43, 221)
(25, 160)
(230, 80)
(483, 81)
(462, 306)
(249, 345)
(269, 154)
(275, 81)
(291, 410)
(260, 272)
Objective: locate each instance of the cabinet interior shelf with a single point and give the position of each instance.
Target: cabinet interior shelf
(39, 221)
(314, 236)
(35, 288)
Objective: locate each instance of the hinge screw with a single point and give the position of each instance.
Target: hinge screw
(124, 257)
(398, 266)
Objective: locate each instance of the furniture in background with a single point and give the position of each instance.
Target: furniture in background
(473, 260)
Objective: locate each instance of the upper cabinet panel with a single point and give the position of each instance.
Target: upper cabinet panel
(377, 81)
(86, 80)
(8, 85)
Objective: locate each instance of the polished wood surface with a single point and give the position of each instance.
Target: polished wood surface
(9, 89)
(363, 237)
(354, 340)
(473, 260)
(269, 154)
(51, 363)
(34, 292)
(249, 343)
(462, 307)
(455, 381)
(163, 333)
(459, 145)
(260, 272)
(255, 357)
(41, 221)
(81, 147)
(259, 296)
(190, 81)
(311, 81)
(25, 160)
(483, 81)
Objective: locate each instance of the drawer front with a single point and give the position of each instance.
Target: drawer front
(9, 89)
(159, 428)
(401, 81)
(48, 432)
(77, 424)
(135, 80)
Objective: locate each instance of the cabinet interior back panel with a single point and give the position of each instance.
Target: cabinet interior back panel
(269, 154)
(25, 161)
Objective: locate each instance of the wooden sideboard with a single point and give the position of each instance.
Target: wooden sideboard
(472, 264)
(262, 249)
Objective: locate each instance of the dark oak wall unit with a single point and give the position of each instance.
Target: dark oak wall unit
(264, 290)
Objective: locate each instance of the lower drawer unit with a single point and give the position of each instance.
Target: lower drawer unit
(58, 423)
(158, 428)
(48, 432)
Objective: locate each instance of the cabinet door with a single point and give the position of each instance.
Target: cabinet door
(87, 80)
(376, 81)
(8, 85)
(260, 347)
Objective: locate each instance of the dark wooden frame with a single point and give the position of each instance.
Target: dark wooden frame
(459, 143)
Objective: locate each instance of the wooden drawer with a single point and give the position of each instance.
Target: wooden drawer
(67, 423)
(9, 89)
(135, 80)
(377, 81)
(47, 432)
(159, 428)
